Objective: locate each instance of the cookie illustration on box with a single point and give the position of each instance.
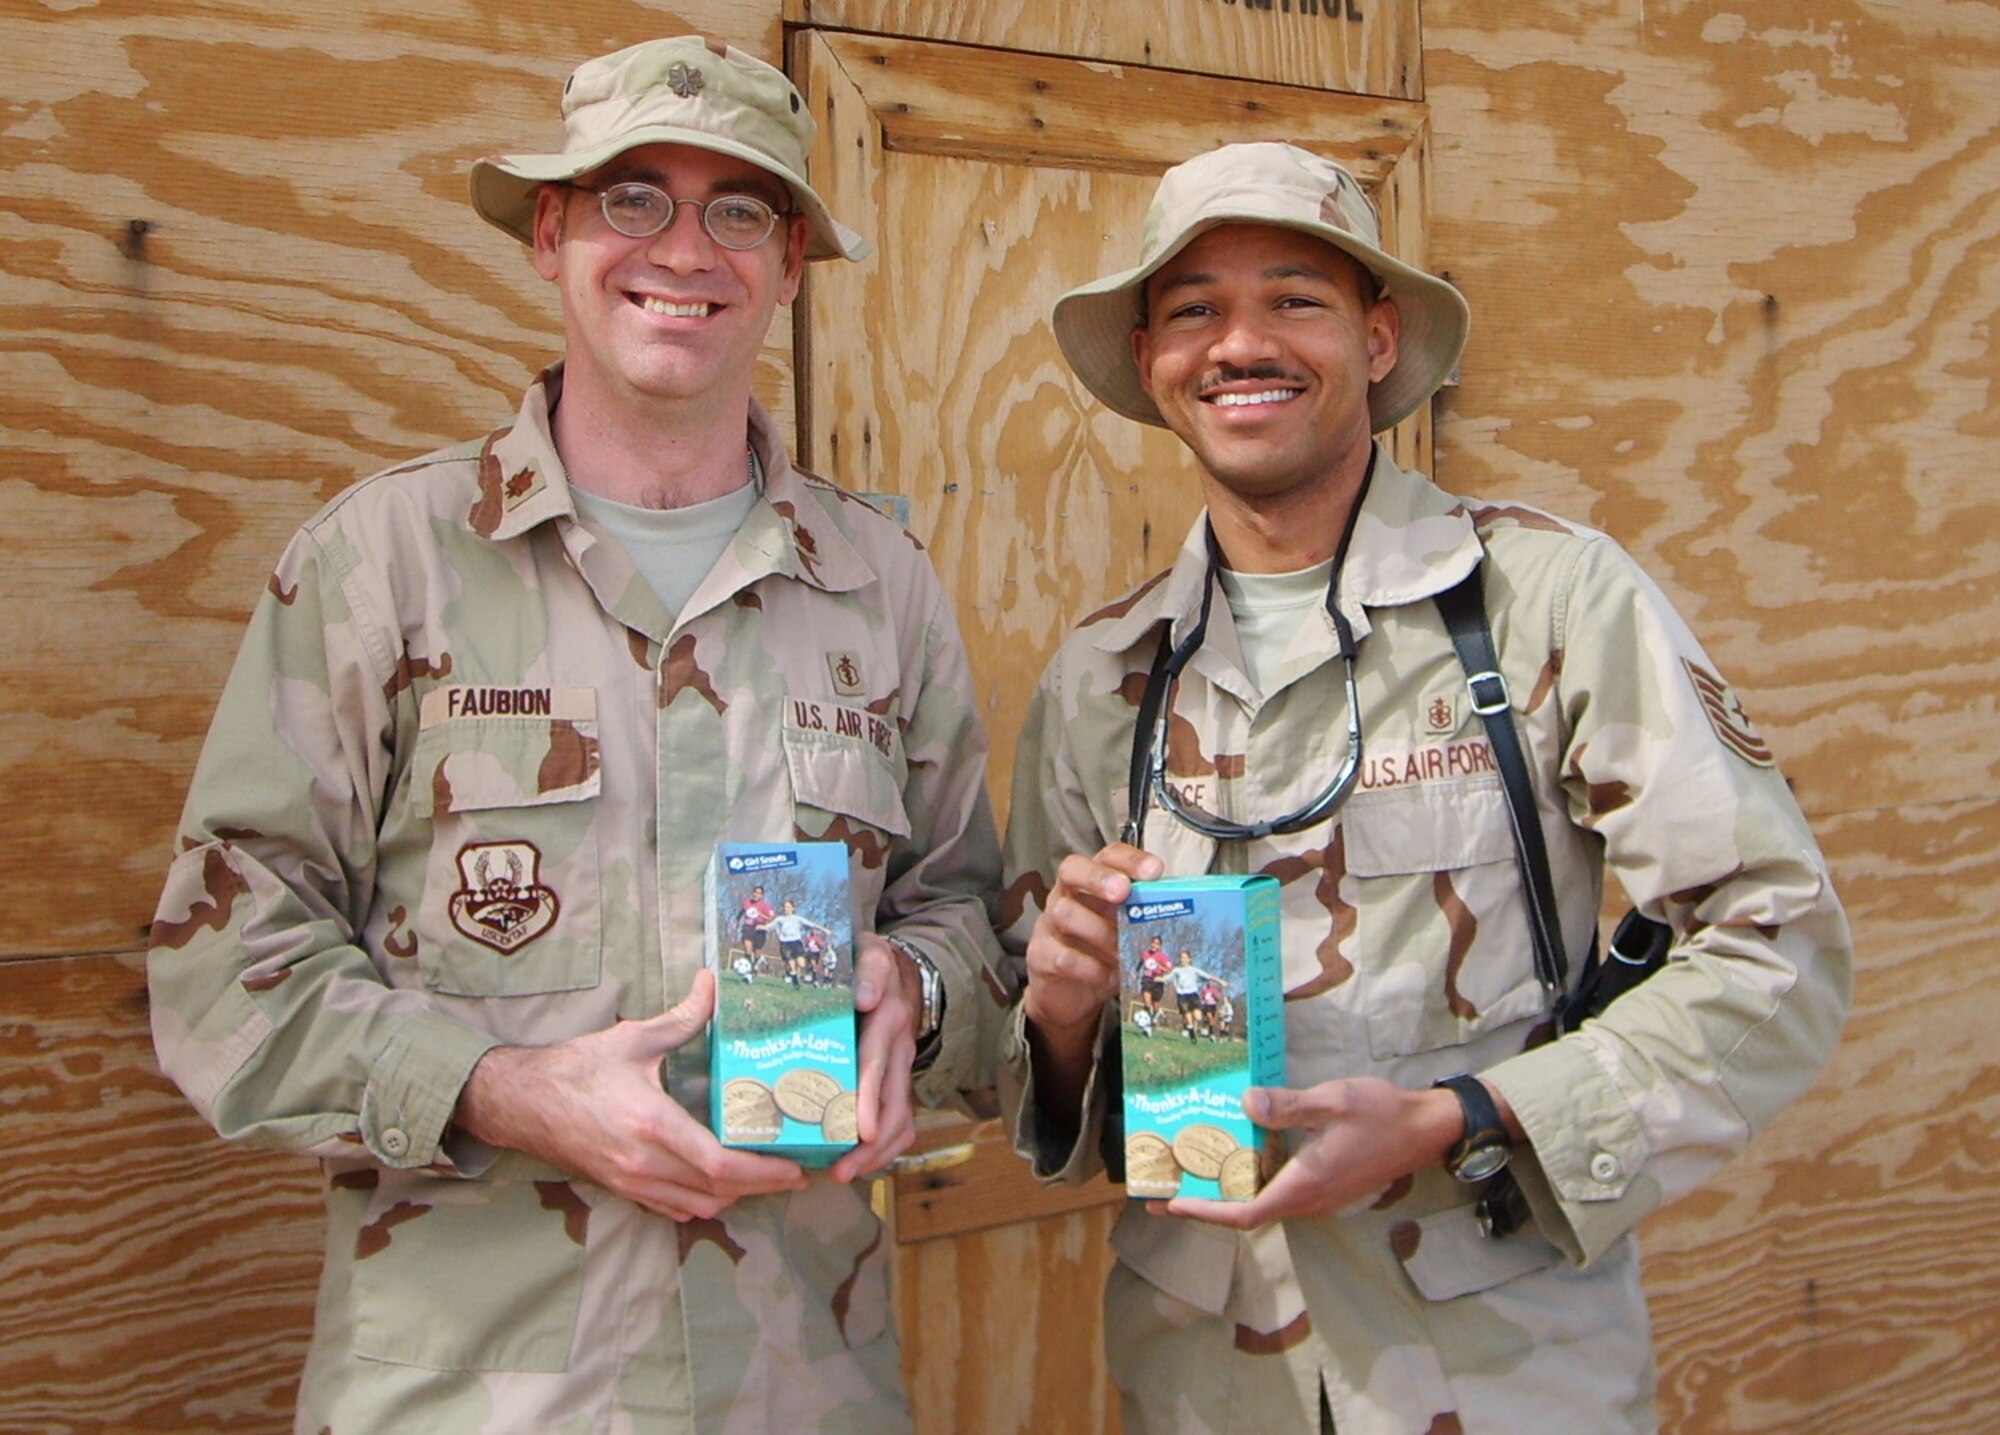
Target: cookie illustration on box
(749, 1113)
(1150, 1168)
(1201, 993)
(839, 1122)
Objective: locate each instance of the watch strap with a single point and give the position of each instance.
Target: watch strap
(1485, 1134)
(930, 1013)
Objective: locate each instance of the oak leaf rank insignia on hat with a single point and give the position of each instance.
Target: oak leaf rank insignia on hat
(684, 82)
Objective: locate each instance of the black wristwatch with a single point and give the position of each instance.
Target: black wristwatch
(1484, 1149)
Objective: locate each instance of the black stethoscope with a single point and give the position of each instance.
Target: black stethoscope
(1148, 780)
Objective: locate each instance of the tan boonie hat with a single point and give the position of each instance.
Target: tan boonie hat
(1277, 184)
(689, 91)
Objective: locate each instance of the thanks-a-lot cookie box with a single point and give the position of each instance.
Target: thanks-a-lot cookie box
(1201, 987)
(782, 1050)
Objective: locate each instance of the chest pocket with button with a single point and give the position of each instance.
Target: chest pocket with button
(1442, 938)
(847, 769)
(507, 780)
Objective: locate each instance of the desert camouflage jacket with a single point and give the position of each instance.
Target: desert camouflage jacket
(461, 790)
(1407, 956)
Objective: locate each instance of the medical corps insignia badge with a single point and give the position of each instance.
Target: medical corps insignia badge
(1726, 716)
(1441, 712)
(848, 681)
(502, 903)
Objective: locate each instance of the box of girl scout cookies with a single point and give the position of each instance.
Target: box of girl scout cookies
(1201, 981)
(782, 1049)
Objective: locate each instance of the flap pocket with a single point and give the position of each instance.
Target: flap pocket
(480, 748)
(1191, 1262)
(1427, 827)
(507, 780)
(846, 761)
(1446, 1255)
(428, 1292)
(1444, 956)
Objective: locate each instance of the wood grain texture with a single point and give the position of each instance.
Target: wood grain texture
(1348, 45)
(1733, 274)
(237, 272)
(1010, 108)
(933, 374)
(1002, 1331)
(1842, 1277)
(982, 1184)
(156, 1280)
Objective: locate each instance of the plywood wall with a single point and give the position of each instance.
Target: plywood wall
(1734, 271)
(237, 271)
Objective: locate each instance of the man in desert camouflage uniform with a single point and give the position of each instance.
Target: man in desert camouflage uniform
(437, 915)
(1357, 1292)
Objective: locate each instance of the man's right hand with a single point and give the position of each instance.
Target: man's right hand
(594, 1106)
(1073, 966)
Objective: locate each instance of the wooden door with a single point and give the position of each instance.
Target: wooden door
(991, 181)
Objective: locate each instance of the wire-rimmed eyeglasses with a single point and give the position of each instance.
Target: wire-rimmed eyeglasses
(1149, 783)
(638, 210)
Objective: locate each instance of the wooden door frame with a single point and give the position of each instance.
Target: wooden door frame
(875, 96)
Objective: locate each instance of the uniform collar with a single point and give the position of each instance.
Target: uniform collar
(1411, 542)
(789, 532)
(521, 480)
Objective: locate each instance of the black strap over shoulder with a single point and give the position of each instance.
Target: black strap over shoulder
(1464, 610)
(1134, 829)
(1640, 945)
(1502, 1208)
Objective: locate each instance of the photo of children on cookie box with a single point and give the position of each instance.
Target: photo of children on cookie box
(782, 1049)
(1202, 994)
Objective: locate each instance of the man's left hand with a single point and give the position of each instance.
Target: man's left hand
(888, 994)
(1361, 1136)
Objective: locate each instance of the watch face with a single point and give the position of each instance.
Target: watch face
(1478, 1164)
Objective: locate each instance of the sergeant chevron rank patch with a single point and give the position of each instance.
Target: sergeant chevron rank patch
(1726, 716)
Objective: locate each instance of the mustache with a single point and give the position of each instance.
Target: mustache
(1262, 373)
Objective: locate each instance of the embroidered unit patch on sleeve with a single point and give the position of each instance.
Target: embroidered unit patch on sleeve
(1726, 716)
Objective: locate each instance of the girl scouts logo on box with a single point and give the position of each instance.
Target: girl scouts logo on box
(502, 903)
(760, 861)
(1155, 911)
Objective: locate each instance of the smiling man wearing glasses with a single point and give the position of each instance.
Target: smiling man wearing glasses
(1448, 1247)
(438, 913)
